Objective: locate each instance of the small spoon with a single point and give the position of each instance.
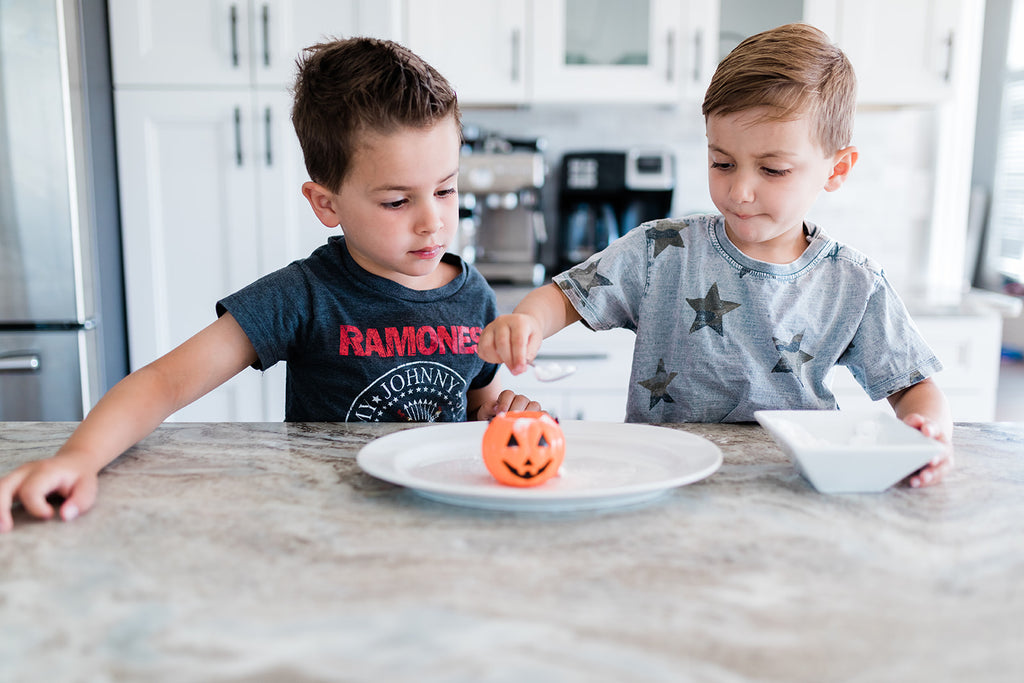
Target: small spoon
(549, 371)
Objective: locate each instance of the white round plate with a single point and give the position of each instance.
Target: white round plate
(607, 464)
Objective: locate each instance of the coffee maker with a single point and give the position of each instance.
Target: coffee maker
(501, 218)
(604, 194)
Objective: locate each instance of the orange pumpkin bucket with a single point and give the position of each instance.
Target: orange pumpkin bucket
(523, 448)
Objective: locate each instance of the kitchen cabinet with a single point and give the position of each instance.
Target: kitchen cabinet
(219, 205)
(903, 52)
(193, 43)
(598, 388)
(615, 50)
(209, 167)
(479, 46)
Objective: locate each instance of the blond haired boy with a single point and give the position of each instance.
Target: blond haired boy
(750, 308)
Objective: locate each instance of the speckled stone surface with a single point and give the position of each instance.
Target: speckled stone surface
(238, 552)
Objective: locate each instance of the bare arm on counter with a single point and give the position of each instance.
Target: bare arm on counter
(132, 409)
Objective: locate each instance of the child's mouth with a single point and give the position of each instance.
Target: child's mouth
(429, 252)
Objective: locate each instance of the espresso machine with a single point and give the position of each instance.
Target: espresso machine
(501, 218)
(604, 194)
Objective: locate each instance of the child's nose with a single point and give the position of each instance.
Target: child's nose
(742, 188)
(429, 219)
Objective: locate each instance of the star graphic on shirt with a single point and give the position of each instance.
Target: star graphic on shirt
(710, 310)
(658, 385)
(663, 239)
(588, 278)
(791, 357)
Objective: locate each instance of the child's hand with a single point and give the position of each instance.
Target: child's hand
(34, 481)
(934, 471)
(512, 339)
(507, 400)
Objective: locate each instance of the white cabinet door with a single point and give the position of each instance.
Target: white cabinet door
(287, 227)
(608, 50)
(281, 29)
(180, 42)
(188, 214)
(478, 45)
(232, 42)
(903, 52)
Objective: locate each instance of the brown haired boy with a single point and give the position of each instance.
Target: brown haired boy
(377, 325)
(751, 308)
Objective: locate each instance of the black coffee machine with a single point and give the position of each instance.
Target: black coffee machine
(605, 194)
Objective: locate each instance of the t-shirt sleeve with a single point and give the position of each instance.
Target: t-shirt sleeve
(606, 289)
(271, 313)
(888, 353)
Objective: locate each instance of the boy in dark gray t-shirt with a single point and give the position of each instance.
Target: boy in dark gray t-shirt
(752, 308)
(377, 325)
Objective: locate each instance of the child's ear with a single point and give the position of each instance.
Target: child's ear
(322, 201)
(842, 162)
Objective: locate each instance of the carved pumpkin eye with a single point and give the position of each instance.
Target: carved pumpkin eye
(509, 455)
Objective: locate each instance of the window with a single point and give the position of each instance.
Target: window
(1005, 252)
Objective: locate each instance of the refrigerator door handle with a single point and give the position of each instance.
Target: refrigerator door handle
(19, 362)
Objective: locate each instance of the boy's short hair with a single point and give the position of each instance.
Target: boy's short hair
(348, 87)
(795, 70)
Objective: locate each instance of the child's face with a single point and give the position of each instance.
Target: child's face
(764, 176)
(399, 206)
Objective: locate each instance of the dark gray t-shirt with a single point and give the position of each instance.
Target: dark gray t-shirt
(360, 347)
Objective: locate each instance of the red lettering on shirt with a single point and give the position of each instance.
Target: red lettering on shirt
(404, 345)
(351, 337)
(408, 341)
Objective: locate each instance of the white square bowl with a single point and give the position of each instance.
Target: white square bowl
(849, 451)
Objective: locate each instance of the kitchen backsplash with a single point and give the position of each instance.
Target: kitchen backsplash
(884, 209)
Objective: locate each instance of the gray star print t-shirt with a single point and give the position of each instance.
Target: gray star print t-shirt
(720, 335)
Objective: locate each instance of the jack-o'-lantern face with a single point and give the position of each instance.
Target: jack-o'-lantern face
(523, 448)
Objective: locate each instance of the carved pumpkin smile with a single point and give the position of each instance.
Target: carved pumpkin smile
(526, 474)
(523, 448)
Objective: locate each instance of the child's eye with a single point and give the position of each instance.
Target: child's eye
(394, 205)
(775, 172)
(721, 165)
(447, 192)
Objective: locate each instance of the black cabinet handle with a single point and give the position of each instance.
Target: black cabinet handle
(234, 35)
(238, 136)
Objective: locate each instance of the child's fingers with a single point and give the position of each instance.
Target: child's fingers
(933, 472)
(81, 498)
(8, 485)
(33, 492)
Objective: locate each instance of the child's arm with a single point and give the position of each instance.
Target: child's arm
(132, 409)
(514, 339)
(924, 407)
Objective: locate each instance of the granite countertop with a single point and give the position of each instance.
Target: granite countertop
(238, 552)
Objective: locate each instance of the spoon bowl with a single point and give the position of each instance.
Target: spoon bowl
(551, 371)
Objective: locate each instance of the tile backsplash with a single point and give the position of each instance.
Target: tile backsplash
(884, 208)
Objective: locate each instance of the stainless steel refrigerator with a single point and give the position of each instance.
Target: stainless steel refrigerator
(62, 341)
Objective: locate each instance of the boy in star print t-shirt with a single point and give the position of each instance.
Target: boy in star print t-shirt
(751, 308)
